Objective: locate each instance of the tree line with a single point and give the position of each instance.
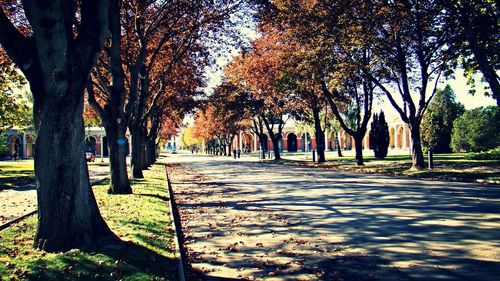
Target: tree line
(137, 63)
(332, 59)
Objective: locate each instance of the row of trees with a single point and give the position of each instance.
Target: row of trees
(334, 57)
(139, 63)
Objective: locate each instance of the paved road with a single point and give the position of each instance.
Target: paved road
(265, 221)
(16, 202)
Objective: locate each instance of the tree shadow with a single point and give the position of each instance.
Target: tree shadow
(433, 230)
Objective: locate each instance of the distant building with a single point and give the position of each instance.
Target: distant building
(20, 142)
(293, 141)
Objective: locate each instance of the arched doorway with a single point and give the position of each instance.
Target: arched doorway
(400, 137)
(332, 141)
(16, 147)
(90, 145)
(392, 137)
(247, 143)
(30, 146)
(292, 142)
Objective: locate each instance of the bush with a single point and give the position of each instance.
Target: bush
(477, 130)
(493, 154)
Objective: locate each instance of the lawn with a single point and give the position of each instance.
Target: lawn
(451, 166)
(19, 173)
(143, 219)
(16, 173)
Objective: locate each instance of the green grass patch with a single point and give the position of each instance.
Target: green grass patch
(16, 173)
(142, 219)
(449, 166)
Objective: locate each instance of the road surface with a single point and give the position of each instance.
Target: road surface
(245, 219)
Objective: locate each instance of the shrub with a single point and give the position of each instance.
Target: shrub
(477, 130)
(379, 136)
(492, 154)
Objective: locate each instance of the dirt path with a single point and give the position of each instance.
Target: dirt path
(260, 221)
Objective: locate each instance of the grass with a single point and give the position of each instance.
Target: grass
(19, 173)
(450, 166)
(143, 219)
(16, 173)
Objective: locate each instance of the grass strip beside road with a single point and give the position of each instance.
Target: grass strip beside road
(142, 219)
(450, 166)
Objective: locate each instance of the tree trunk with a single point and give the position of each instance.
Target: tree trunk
(358, 142)
(339, 149)
(119, 183)
(276, 148)
(137, 149)
(320, 136)
(416, 148)
(262, 145)
(68, 215)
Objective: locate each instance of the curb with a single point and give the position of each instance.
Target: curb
(176, 225)
(18, 219)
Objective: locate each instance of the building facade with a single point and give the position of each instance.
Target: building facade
(294, 141)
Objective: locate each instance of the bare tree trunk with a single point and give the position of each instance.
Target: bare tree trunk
(339, 149)
(358, 142)
(137, 149)
(119, 183)
(417, 155)
(262, 145)
(68, 216)
(320, 136)
(57, 67)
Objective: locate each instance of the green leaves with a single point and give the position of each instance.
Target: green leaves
(15, 109)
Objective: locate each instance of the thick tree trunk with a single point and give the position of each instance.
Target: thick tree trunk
(320, 136)
(358, 142)
(151, 152)
(417, 155)
(276, 148)
(262, 145)
(137, 151)
(416, 148)
(117, 144)
(68, 216)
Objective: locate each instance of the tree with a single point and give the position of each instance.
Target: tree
(14, 109)
(379, 135)
(257, 71)
(188, 139)
(437, 123)
(56, 55)
(475, 24)
(411, 40)
(477, 129)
